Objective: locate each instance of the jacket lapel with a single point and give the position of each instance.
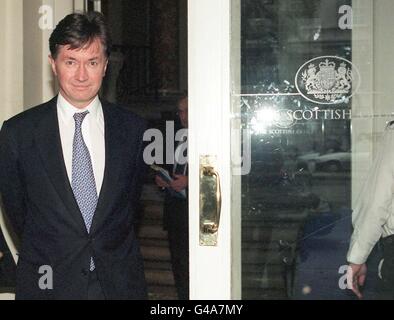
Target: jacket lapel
(47, 137)
(48, 141)
(114, 142)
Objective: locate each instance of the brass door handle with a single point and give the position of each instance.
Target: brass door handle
(210, 201)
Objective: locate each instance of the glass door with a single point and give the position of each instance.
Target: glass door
(290, 98)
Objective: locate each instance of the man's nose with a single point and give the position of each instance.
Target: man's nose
(82, 74)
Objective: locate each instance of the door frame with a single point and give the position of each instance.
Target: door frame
(215, 271)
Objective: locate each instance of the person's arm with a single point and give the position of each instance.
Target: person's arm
(356, 275)
(372, 210)
(12, 188)
(179, 183)
(160, 182)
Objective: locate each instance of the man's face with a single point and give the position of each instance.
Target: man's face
(80, 72)
(182, 112)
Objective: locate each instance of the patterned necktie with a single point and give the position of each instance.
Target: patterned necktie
(82, 181)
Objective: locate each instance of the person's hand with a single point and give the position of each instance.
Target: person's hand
(1, 255)
(179, 183)
(161, 183)
(356, 277)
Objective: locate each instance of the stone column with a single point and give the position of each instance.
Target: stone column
(165, 44)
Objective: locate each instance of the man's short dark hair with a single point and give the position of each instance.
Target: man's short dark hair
(78, 30)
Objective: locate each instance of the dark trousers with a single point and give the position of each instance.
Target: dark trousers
(177, 225)
(386, 284)
(95, 292)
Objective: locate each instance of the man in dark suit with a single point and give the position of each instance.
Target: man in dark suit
(176, 210)
(70, 178)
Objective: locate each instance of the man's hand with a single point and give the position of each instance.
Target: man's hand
(179, 183)
(356, 277)
(161, 183)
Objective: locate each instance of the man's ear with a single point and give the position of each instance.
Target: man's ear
(53, 64)
(105, 67)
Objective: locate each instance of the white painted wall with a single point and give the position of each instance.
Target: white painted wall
(11, 80)
(11, 57)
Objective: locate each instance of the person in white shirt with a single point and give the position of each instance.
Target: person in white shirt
(373, 220)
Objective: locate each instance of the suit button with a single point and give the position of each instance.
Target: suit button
(84, 272)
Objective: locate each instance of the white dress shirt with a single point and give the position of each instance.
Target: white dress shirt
(92, 132)
(373, 215)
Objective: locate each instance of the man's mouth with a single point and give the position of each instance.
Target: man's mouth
(81, 87)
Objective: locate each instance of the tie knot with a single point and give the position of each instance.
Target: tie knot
(78, 118)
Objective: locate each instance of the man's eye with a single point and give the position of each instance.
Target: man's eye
(93, 63)
(69, 62)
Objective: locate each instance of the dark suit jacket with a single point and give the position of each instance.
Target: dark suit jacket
(40, 204)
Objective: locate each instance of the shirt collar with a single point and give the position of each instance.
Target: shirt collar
(66, 110)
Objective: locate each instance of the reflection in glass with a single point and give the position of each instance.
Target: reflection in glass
(296, 200)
